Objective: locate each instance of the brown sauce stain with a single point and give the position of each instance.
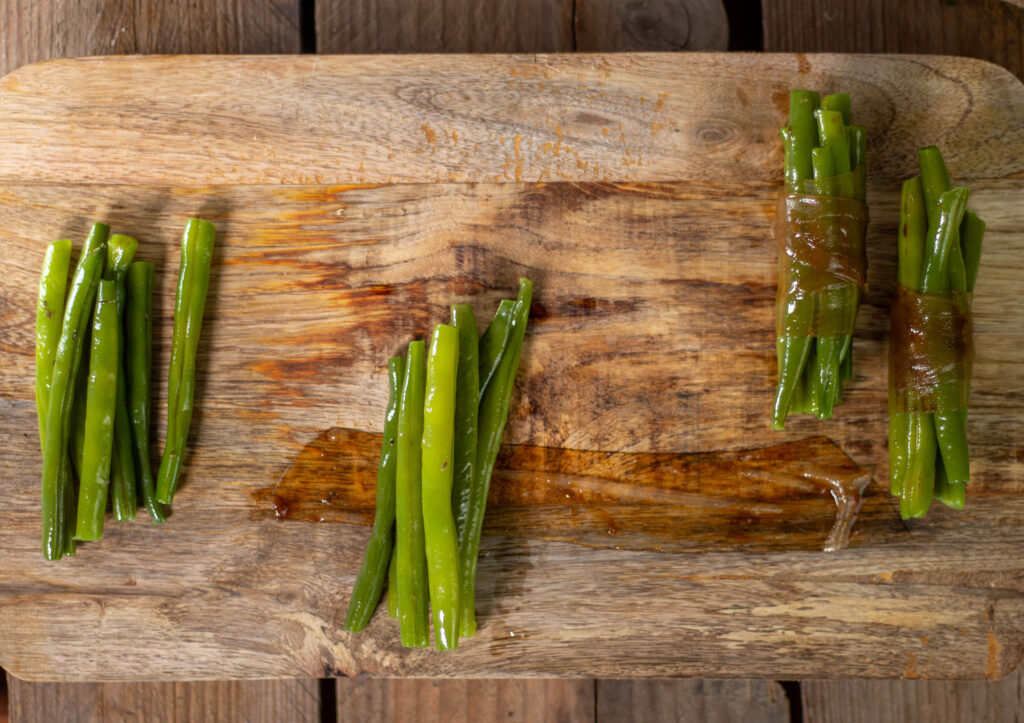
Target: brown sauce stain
(803, 495)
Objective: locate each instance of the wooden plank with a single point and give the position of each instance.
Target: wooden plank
(370, 119)
(992, 30)
(890, 701)
(317, 286)
(35, 30)
(179, 702)
(377, 700)
(606, 26)
(691, 701)
(452, 26)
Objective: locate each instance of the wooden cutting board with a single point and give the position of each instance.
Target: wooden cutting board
(645, 521)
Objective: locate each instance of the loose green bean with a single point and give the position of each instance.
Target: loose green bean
(370, 582)
(190, 301)
(467, 406)
(120, 252)
(101, 401)
(49, 315)
(438, 464)
(53, 284)
(494, 342)
(413, 617)
(97, 237)
(138, 357)
(494, 410)
(54, 496)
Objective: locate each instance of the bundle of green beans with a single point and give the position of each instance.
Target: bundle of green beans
(442, 432)
(939, 252)
(824, 157)
(93, 359)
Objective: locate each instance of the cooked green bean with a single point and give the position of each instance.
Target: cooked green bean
(370, 582)
(413, 617)
(97, 237)
(101, 400)
(494, 342)
(467, 407)
(53, 285)
(138, 358)
(438, 522)
(912, 232)
(494, 409)
(799, 136)
(120, 252)
(54, 496)
(190, 301)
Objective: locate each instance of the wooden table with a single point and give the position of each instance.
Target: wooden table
(31, 32)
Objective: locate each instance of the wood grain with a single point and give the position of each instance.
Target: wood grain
(992, 30)
(451, 26)
(627, 117)
(691, 701)
(860, 701)
(381, 700)
(296, 341)
(255, 701)
(35, 30)
(604, 26)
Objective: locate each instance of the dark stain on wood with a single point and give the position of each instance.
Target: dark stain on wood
(799, 495)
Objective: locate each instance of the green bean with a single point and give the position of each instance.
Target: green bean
(54, 496)
(49, 315)
(800, 136)
(912, 234)
(943, 236)
(934, 182)
(972, 229)
(494, 410)
(101, 401)
(120, 252)
(913, 229)
(857, 137)
(138, 359)
(97, 237)
(916, 495)
(370, 582)
(494, 342)
(438, 464)
(413, 617)
(838, 102)
(193, 284)
(467, 406)
(53, 284)
(832, 132)
(823, 374)
(945, 269)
